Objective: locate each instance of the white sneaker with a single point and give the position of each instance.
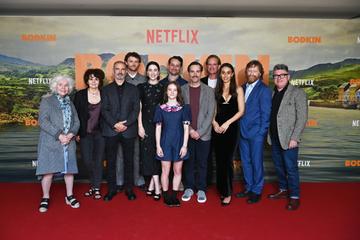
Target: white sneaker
(187, 195)
(201, 196)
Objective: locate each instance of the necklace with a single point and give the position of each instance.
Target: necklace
(94, 93)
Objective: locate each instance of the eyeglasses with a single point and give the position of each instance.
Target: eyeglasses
(280, 76)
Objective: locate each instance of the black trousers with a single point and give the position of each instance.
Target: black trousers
(196, 166)
(128, 153)
(92, 152)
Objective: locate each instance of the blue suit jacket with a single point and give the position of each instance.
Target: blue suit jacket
(256, 119)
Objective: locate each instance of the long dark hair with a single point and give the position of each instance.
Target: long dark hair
(220, 84)
(179, 97)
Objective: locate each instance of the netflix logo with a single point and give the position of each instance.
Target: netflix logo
(172, 36)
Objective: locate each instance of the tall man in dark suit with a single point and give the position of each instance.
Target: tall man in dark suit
(288, 119)
(202, 104)
(133, 61)
(120, 109)
(254, 126)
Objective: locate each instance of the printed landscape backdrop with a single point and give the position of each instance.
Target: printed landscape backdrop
(323, 55)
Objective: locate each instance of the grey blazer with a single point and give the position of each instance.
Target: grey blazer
(206, 109)
(50, 150)
(292, 116)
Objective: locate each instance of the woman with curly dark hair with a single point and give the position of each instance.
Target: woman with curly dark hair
(88, 105)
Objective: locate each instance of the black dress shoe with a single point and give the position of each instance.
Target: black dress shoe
(130, 195)
(294, 204)
(282, 194)
(109, 196)
(243, 194)
(254, 198)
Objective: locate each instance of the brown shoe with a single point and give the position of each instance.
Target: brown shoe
(293, 204)
(282, 194)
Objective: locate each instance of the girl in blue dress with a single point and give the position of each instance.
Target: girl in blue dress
(172, 133)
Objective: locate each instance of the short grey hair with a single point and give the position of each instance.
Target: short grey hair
(57, 79)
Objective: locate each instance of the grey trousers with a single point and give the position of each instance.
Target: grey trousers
(138, 179)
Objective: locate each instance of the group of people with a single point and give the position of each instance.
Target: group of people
(147, 129)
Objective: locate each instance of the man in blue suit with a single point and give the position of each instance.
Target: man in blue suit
(254, 126)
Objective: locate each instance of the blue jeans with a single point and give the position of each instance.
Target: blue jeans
(286, 166)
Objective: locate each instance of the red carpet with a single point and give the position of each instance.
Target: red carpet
(328, 211)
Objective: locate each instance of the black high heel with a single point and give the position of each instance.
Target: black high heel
(89, 193)
(97, 194)
(224, 204)
(150, 192)
(157, 197)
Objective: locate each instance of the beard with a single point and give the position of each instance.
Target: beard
(252, 78)
(120, 77)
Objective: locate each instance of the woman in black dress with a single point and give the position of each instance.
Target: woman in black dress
(92, 144)
(229, 108)
(151, 94)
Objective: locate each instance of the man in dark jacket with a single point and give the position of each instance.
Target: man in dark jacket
(120, 109)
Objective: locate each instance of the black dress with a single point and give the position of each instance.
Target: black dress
(225, 145)
(150, 97)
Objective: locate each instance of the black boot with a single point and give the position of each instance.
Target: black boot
(174, 199)
(167, 198)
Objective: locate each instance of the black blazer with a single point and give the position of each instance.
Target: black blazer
(206, 79)
(81, 104)
(112, 111)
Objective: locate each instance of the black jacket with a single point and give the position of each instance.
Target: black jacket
(112, 111)
(81, 104)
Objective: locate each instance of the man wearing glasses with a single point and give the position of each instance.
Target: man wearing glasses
(288, 119)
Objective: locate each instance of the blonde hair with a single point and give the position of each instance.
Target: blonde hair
(57, 79)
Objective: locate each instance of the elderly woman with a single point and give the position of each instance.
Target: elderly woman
(59, 124)
(92, 144)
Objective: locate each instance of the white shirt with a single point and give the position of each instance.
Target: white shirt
(212, 82)
(249, 88)
(132, 75)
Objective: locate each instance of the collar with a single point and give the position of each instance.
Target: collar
(283, 90)
(252, 85)
(132, 75)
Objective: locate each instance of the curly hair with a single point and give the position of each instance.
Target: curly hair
(54, 82)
